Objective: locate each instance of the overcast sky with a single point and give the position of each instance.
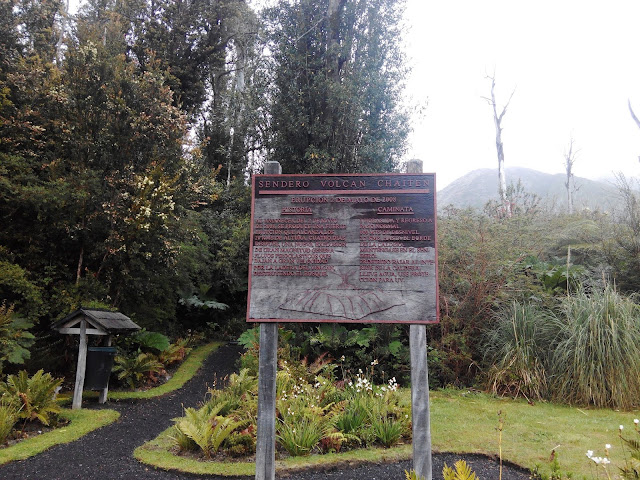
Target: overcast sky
(573, 65)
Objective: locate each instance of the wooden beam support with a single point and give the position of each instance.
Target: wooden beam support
(88, 331)
(81, 367)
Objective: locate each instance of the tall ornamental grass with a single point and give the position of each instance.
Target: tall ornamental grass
(518, 346)
(597, 361)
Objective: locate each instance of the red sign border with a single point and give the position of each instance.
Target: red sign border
(330, 192)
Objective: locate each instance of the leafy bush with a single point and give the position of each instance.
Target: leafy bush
(206, 428)
(387, 428)
(412, 475)
(314, 411)
(33, 397)
(14, 338)
(462, 472)
(174, 353)
(150, 340)
(132, 369)
(597, 361)
(518, 346)
(300, 437)
(8, 418)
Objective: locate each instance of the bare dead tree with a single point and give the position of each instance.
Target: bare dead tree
(633, 115)
(497, 120)
(569, 159)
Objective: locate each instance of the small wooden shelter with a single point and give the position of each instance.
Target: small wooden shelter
(83, 322)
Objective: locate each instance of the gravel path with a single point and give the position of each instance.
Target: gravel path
(107, 453)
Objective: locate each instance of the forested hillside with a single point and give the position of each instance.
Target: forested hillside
(128, 136)
(129, 133)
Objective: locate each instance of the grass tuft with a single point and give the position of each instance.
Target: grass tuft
(598, 360)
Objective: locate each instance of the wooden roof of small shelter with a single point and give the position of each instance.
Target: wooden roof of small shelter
(101, 320)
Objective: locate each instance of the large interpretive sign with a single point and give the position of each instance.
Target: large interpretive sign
(343, 248)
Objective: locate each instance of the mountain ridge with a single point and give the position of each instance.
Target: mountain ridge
(479, 186)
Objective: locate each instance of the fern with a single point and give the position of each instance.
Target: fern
(133, 369)
(32, 396)
(15, 341)
(205, 428)
(462, 472)
(8, 418)
(412, 475)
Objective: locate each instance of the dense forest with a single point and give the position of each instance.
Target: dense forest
(130, 131)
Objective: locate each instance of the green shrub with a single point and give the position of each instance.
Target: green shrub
(8, 418)
(353, 418)
(15, 341)
(597, 361)
(388, 429)
(242, 443)
(150, 340)
(206, 428)
(301, 436)
(183, 441)
(132, 369)
(174, 353)
(33, 397)
(462, 472)
(242, 383)
(412, 475)
(518, 347)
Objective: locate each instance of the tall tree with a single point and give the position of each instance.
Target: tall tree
(338, 73)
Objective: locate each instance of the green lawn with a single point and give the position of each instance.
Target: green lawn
(466, 422)
(81, 423)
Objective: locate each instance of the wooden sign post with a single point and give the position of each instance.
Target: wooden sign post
(348, 249)
(267, 369)
(420, 418)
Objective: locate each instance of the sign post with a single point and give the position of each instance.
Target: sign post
(420, 417)
(345, 249)
(267, 369)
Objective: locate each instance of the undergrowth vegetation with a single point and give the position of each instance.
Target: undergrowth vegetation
(30, 399)
(585, 353)
(317, 411)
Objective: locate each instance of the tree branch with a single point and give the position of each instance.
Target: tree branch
(633, 115)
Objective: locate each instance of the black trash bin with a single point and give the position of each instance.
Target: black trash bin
(99, 363)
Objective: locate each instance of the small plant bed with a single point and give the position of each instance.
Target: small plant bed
(32, 421)
(462, 422)
(317, 413)
(181, 375)
(73, 424)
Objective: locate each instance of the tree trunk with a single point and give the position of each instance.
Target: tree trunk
(569, 160)
(497, 120)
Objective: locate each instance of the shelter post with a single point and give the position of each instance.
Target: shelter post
(81, 368)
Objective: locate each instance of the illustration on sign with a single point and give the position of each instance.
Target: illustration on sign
(342, 248)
